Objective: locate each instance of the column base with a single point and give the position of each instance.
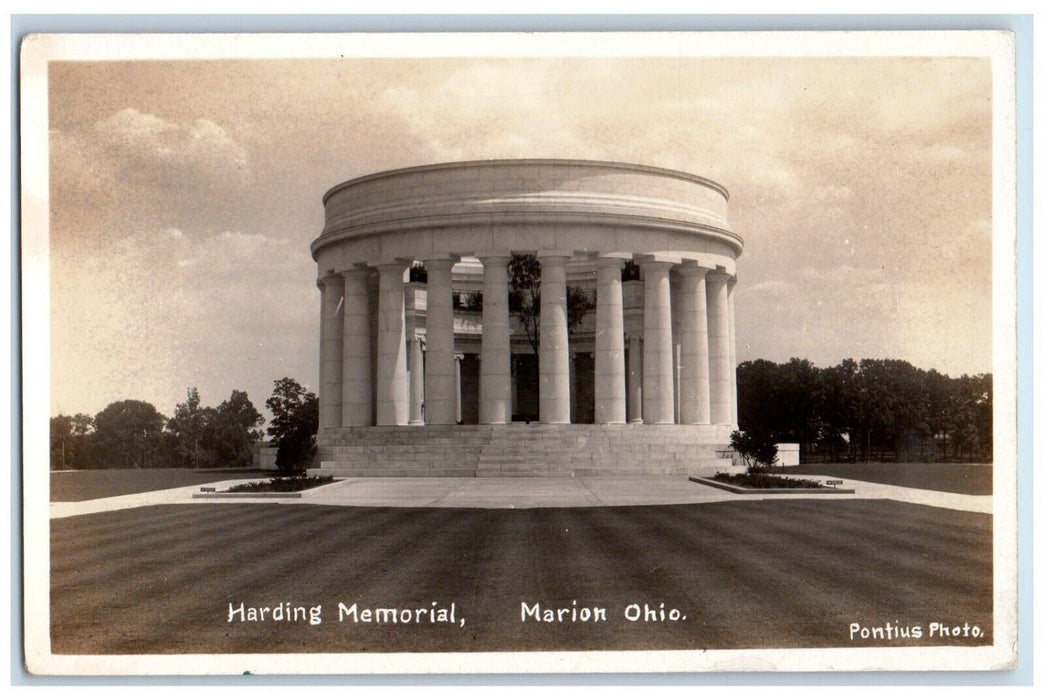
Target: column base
(416, 422)
(635, 421)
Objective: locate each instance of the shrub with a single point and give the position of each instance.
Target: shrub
(757, 450)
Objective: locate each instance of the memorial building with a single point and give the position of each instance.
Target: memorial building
(426, 368)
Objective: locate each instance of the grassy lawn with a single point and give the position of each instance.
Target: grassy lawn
(971, 479)
(785, 573)
(102, 483)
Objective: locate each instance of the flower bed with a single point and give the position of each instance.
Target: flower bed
(766, 481)
(282, 484)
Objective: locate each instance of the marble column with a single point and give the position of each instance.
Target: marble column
(458, 408)
(331, 338)
(392, 390)
(610, 381)
(718, 345)
(733, 398)
(416, 382)
(657, 353)
(554, 339)
(495, 361)
(695, 379)
(440, 376)
(634, 379)
(677, 304)
(356, 382)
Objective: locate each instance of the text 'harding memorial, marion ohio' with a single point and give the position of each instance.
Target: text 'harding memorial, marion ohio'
(427, 369)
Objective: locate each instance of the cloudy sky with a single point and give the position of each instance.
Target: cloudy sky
(184, 196)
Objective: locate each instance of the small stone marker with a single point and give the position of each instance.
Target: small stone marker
(834, 483)
(207, 489)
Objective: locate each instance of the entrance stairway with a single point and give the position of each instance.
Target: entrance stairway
(521, 450)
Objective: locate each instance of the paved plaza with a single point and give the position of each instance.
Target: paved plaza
(521, 492)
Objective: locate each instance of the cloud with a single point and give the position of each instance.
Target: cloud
(202, 147)
(134, 170)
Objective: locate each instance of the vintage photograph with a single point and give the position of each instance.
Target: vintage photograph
(502, 353)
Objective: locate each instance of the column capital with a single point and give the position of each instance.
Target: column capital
(653, 265)
(493, 255)
(441, 261)
(553, 255)
(331, 277)
(356, 273)
(690, 268)
(609, 262)
(718, 276)
(387, 265)
(651, 258)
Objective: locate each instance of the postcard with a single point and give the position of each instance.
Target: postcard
(498, 353)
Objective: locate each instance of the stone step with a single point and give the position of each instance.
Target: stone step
(518, 450)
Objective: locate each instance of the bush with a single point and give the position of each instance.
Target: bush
(758, 451)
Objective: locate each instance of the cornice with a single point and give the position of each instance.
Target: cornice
(460, 220)
(529, 162)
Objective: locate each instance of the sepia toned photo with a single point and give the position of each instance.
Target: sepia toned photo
(461, 353)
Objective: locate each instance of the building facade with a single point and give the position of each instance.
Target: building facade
(649, 249)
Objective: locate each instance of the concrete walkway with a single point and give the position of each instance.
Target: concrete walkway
(523, 492)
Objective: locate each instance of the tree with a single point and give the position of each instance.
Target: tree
(128, 434)
(524, 295)
(295, 422)
(72, 442)
(232, 430)
(418, 273)
(524, 301)
(61, 441)
(188, 426)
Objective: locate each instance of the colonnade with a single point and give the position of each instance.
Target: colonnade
(704, 376)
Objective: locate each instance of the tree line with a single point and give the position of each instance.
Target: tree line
(864, 410)
(132, 434)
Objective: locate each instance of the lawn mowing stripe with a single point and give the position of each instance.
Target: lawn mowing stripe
(738, 587)
(894, 529)
(464, 577)
(971, 555)
(488, 561)
(104, 531)
(978, 569)
(186, 541)
(678, 576)
(126, 527)
(276, 562)
(571, 567)
(851, 523)
(121, 598)
(893, 513)
(409, 573)
(643, 575)
(169, 565)
(772, 563)
(107, 531)
(733, 565)
(920, 576)
(194, 552)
